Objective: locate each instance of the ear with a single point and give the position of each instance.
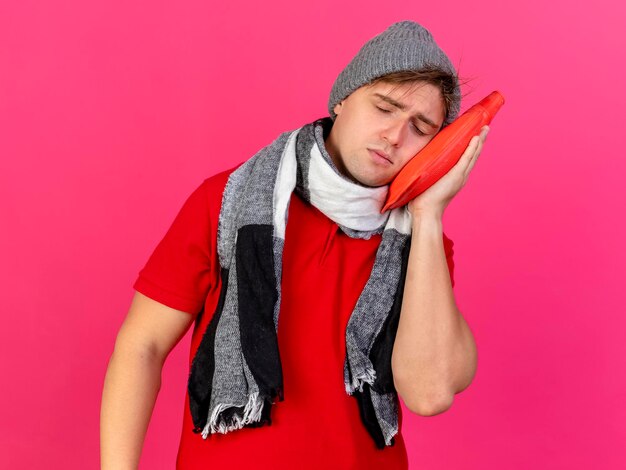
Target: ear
(337, 108)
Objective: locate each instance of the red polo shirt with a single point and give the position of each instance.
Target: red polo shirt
(318, 424)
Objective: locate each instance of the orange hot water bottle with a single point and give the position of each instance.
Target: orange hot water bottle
(441, 153)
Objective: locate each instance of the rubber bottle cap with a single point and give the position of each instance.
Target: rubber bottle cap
(492, 103)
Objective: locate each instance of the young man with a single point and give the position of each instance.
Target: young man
(314, 313)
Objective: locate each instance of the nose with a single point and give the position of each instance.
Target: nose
(394, 132)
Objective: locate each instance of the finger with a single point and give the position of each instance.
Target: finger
(484, 131)
(468, 158)
(483, 139)
(465, 159)
(475, 155)
(480, 141)
(470, 152)
(471, 165)
(479, 149)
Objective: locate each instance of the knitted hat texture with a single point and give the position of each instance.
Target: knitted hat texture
(405, 45)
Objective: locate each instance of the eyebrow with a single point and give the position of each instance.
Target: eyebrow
(402, 107)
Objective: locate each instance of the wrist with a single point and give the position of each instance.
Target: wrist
(426, 214)
(427, 220)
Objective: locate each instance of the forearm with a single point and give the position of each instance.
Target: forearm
(131, 386)
(434, 353)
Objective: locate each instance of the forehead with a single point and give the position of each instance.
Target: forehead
(404, 91)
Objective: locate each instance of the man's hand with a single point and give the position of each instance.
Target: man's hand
(436, 198)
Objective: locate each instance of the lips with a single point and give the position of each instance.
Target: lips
(381, 156)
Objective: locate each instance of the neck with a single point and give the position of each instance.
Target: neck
(325, 186)
(333, 152)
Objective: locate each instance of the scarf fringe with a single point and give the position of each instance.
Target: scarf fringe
(367, 376)
(251, 414)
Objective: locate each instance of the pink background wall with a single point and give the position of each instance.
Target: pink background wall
(112, 112)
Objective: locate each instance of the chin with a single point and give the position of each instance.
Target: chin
(372, 182)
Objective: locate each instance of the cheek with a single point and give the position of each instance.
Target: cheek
(412, 152)
(349, 137)
(418, 146)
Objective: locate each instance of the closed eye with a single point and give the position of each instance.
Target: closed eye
(387, 111)
(418, 130)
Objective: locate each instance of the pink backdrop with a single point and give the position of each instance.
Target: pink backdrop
(112, 112)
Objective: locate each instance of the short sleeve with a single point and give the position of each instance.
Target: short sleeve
(178, 272)
(448, 246)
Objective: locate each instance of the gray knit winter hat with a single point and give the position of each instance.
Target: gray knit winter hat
(405, 45)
